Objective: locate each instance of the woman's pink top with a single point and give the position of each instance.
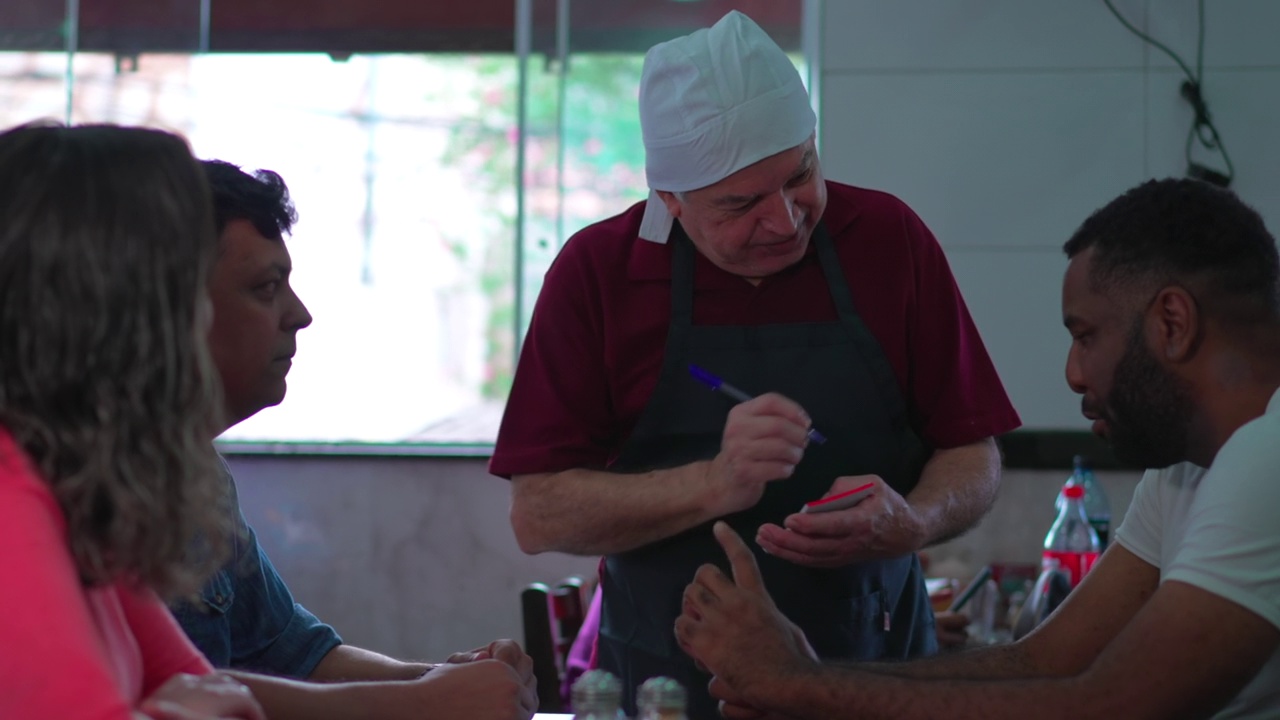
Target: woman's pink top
(68, 652)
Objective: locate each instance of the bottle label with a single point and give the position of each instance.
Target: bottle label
(1077, 564)
(1102, 526)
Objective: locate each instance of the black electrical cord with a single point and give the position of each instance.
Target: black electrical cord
(1202, 127)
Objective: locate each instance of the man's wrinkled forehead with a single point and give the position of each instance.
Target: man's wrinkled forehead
(732, 194)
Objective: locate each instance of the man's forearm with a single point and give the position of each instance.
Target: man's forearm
(346, 663)
(956, 488)
(588, 512)
(285, 699)
(1000, 662)
(833, 692)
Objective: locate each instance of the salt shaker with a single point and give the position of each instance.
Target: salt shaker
(661, 698)
(597, 695)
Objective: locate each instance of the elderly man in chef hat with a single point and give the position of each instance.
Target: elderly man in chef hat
(826, 311)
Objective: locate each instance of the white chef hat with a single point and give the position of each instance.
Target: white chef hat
(712, 103)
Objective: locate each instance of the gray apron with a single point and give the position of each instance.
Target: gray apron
(838, 373)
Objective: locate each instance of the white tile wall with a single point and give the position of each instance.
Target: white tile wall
(1238, 33)
(988, 159)
(1004, 123)
(1019, 317)
(964, 35)
(1245, 106)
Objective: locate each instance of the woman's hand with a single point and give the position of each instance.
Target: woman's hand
(202, 697)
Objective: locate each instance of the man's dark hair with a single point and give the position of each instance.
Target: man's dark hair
(261, 198)
(1186, 232)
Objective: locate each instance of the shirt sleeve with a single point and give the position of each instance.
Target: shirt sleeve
(1139, 533)
(1231, 546)
(560, 380)
(270, 632)
(957, 396)
(165, 650)
(52, 664)
(245, 618)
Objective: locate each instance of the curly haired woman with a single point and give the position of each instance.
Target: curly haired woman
(107, 480)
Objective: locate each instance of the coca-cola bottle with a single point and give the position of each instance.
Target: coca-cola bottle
(1072, 543)
(1096, 506)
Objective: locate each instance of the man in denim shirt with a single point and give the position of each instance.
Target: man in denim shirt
(250, 620)
(246, 619)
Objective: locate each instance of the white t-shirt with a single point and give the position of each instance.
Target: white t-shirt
(1219, 530)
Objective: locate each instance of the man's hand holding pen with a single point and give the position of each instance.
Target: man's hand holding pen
(764, 439)
(883, 525)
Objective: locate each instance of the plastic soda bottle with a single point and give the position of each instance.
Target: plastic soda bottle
(1072, 542)
(1096, 506)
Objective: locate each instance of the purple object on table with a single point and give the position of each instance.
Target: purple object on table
(582, 654)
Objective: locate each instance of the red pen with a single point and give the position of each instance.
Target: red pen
(841, 501)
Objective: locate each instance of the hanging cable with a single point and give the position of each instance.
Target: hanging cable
(1192, 90)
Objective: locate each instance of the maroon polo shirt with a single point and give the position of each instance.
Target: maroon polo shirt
(594, 349)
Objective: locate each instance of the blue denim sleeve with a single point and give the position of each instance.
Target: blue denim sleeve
(247, 619)
(270, 633)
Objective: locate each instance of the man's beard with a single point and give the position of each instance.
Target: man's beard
(1149, 409)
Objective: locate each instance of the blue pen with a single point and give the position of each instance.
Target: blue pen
(716, 383)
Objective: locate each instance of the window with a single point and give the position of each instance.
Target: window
(416, 252)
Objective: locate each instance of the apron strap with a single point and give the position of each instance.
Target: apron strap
(864, 341)
(682, 266)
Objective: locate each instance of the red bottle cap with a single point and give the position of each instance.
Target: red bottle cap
(1074, 492)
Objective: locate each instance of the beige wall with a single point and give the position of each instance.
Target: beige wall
(416, 558)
